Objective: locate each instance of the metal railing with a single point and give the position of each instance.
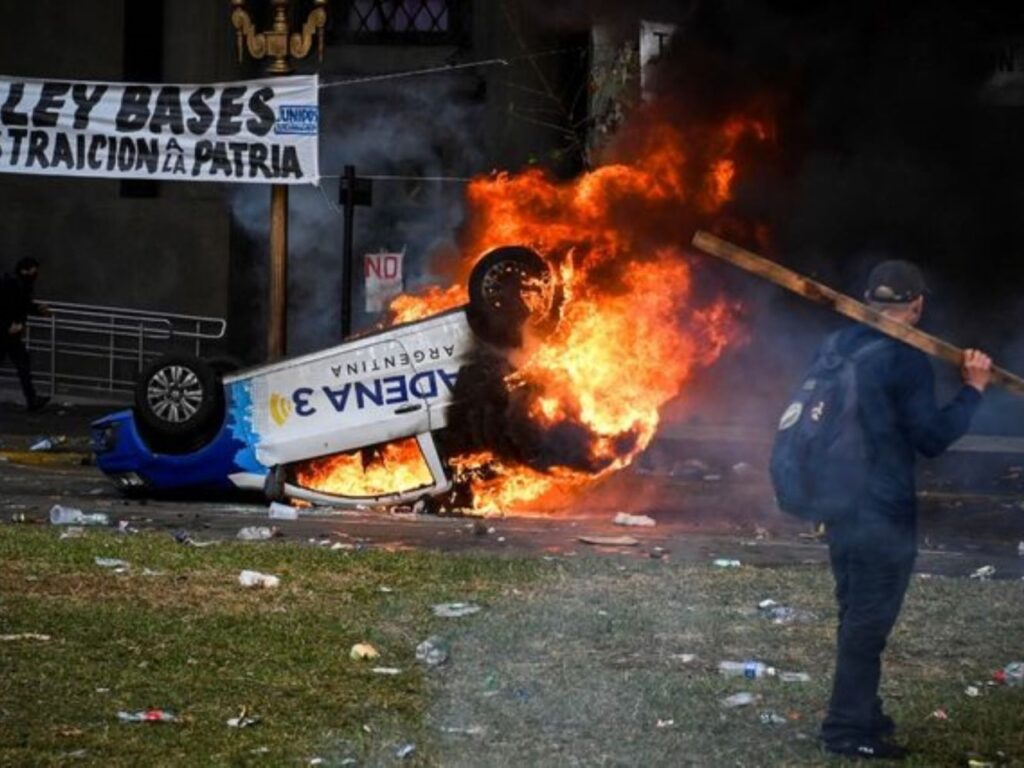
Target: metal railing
(85, 347)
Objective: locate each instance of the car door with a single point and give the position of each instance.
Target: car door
(356, 394)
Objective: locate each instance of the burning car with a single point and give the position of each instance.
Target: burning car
(382, 395)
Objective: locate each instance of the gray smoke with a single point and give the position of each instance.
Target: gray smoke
(423, 128)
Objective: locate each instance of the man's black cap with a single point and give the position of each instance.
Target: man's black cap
(895, 282)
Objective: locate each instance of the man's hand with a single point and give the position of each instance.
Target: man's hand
(976, 369)
(14, 329)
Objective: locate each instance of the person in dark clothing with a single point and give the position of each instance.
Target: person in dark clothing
(872, 550)
(16, 304)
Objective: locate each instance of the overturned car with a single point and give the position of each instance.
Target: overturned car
(194, 427)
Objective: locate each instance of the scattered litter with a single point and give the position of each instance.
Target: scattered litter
(124, 526)
(72, 532)
(784, 614)
(386, 590)
(1020, 549)
(147, 716)
(608, 541)
(405, 750)
(119, 566)
(363, 652)
(726, 563)
(102, 690)
(455, 610)
(761, 533)
(48, 443)
(184, 537)
(973, 691)
(643, 521)
(984, 573)
(1011, 674)
(256, 533)
(742, 469)
(70, 516)
(939, 714)
(24, 636)
(658, 553)
(664, 723)
(773, 718)
(280, 511)
(685, 658)
(343, 545)
(244, 719)
(259, 580)
(433, 651)
(749, 669)
(794, 677)
(741, 699)
(976, 763)
(390, 671)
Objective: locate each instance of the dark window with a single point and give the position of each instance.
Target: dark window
(401, 21)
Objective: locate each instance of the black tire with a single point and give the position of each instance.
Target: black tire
(511, 288)
(179, 404)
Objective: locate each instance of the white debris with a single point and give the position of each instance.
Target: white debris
(984, 573)
(280, 511)
(258, 580)
(640, 521)
(455, 610)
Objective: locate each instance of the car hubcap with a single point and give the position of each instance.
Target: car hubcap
(507, 281)
(174, 393)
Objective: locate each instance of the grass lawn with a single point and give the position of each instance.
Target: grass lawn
(571, 662)
(191, 640)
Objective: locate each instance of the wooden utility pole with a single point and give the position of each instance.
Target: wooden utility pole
(844, 305)
(280, 45)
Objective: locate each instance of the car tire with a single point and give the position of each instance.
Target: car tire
(179, 404)
(498, 312)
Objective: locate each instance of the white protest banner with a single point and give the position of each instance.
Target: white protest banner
(258, 131)
(383, 273)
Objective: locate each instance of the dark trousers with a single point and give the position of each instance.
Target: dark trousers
(14, 348)
(872, 556)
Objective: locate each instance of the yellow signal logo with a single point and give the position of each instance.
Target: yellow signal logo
(280, 408)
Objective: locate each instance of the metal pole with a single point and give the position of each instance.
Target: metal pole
(277, 329)
(349, 179)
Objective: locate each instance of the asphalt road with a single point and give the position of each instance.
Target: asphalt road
(730, 515)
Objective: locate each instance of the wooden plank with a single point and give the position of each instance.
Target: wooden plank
(844, 305)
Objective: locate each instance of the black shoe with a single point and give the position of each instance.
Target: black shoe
(884, 725)
(867, 749)
(37, 403)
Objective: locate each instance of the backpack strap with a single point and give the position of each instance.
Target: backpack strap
(867, 350)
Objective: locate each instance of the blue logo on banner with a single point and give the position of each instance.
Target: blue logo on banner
(297, 119)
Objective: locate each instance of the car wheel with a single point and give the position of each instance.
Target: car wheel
(179, 404)
(512, 288)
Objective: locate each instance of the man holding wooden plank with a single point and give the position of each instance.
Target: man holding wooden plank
(872, 549)
(871, 393)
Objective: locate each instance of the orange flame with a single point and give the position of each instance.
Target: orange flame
(629, 336)
(399, 465)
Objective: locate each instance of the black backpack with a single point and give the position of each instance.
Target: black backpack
(819, 461)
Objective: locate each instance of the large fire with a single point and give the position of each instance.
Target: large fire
(630, 333)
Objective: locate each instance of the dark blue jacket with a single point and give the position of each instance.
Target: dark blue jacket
(896, 395)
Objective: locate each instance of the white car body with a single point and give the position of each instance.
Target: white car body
(376, 389)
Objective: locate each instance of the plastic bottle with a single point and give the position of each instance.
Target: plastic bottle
(749, 669)
(258, 580)
(256, 533)
(70, 516)
(1011, 674)
(48, 443)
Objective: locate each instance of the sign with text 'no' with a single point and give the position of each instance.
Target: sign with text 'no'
(258, 131)
(383, 274)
